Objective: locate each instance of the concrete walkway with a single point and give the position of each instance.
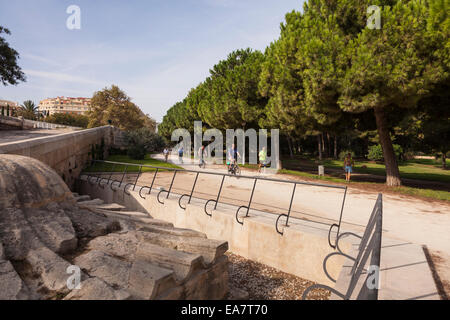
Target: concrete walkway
(408, 223)
(405, 218)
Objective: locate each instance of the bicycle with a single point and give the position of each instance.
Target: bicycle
(234, 169)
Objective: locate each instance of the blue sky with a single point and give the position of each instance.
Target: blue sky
(155, 50)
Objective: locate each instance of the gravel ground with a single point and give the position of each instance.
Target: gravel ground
(262, 282)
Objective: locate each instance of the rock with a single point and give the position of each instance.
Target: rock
(174, 231)
(51, 268)
(94, 202)
(110, 206)
(53, 228)
(16, 234)
(91, 225)
(12, 286)
(209, 249)
(238, 294)
(148, 281)
(119, 245)
(29, 183)
(122, 254)
(182, 263)
(82, 198)
(113, 271)
(96, 289)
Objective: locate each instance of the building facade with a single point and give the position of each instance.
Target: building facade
(8, 108)
(64, 105)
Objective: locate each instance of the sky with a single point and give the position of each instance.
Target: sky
(155, 50)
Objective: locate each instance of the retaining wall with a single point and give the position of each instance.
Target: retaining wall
(299, 251)
(66, 153)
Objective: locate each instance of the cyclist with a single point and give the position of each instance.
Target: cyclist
(232, 156)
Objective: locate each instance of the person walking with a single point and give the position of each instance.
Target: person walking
(166, 153)
(180, 154)
(262, 159)
(201, 154)
(348, 166)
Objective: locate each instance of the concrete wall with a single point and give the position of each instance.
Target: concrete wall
(300, 251)
(19, 123)
(66, 153)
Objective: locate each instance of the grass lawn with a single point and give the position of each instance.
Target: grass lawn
(426, 193)
(418, 169)
(108, 167)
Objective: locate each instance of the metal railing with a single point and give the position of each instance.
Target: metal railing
(370, 245)
(216, 200)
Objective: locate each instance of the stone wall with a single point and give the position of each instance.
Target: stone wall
(66, 153)
(299, 251)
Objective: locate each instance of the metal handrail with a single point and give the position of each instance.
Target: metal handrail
(370, 245)
(216, 201)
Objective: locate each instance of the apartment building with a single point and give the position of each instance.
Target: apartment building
(64, 105)
(8, 108)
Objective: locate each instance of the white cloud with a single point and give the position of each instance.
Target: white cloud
(61, 77)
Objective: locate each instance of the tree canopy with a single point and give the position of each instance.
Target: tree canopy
(112, 105)
(10, 72)
(330, 75)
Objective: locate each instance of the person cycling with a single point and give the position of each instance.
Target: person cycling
(232, 156)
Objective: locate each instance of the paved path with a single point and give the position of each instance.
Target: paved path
(7, 136)
(405, 218)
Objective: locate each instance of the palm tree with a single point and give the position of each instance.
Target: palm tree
(28, 110)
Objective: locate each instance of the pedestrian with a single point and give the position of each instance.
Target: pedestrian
(180, 154)
(262, 159)
(166, 153)
(348, 166)
(201, 154)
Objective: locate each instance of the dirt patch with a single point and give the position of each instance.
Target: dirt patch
(266, 283)
(440, 267)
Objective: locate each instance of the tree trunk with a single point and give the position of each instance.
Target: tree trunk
(291, 154)
(319, 140)
(390, 160)
(328, 146)
(324, 151)
(444, 160)
(335, 147)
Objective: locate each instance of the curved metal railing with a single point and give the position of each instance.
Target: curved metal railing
(370, 245)
(217, 199)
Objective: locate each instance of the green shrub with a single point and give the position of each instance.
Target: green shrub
(67, 119)
(142, 141)
(376, 152)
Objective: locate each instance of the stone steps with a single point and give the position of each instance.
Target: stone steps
(209, 249)
(110, 206)
(94, 202)
(174, 231)
(183, 264)
(149, 258)
(82, 198)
